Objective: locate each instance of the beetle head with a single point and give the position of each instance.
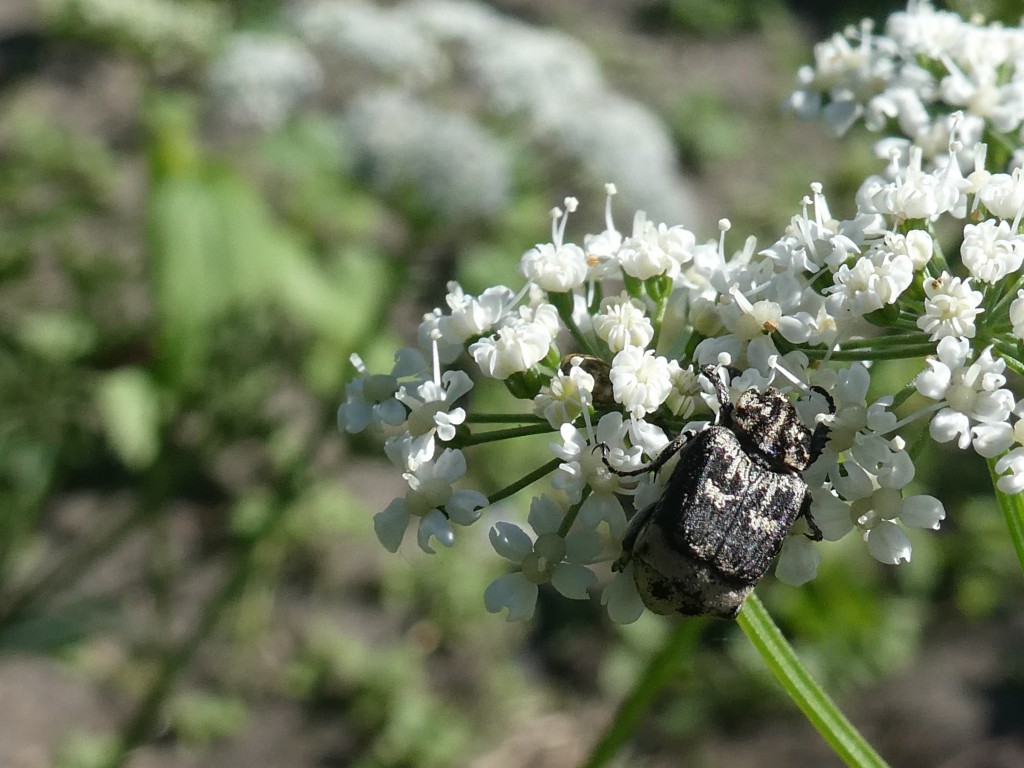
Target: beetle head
(768, 422)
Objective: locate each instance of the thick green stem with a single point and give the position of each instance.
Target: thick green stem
(816, 705)
(1013, 511)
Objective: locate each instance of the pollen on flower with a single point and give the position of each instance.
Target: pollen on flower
(950, 306)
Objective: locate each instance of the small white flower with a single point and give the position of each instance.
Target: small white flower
(623, 322)
(748, 321)
(552, 557)
(876, 506)
(876, 279)
(1017, 315)
(1003, 195)
(431, 413)
(643, 254)
(1013, 464)
(583, 460)
(516, 347)
(977, 406)
(472, 316)
(555, 268)
(641, 381)
(565, 397)
(917, 244)
(371, 399)
(950, 307)
(916, 194)
(430, 489)
(990, 250)
(682, 401)
(601, 251)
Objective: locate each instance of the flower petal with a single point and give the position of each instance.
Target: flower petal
(992, 439)
(922, 512)
(390, 525)
(513, 591)
(545, 515)
(583, 545)
(464, 506)
(798, 562)
(510, 541)
(831, 514)
(434, 525)
(888, 543)
(948, 424)
(601, 507)
(573, 580)
(621, 598)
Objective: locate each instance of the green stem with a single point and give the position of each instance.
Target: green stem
(1013, 511)
(503, 418)
(573, 511)
(673, 661)
(68, 568)
(899, 353)
(1007, 353)
(146, 715)
(937, 256)
(518, 485)
(1007, 298)
(816, 705)
(904, 339)
(564, 303)
(503, 434)
(658, 319)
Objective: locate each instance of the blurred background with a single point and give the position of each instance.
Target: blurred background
(206, 207)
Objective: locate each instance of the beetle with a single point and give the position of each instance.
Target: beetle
(729, 504)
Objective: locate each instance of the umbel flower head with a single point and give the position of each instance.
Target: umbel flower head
(580, 345)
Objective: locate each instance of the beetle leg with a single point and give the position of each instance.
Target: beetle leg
(819, 438)
(805, 513)
(667, 453)
(636, 524)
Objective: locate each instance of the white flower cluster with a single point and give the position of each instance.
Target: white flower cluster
(471, 76)
(826, 291)
(585, 339)
(455, 165)
(260, 78)
(909, 80)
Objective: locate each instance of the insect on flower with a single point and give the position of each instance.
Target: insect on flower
(733, 497)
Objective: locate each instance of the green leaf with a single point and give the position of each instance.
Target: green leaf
(187, 271)
(129, 406)
(1013, 511)
(57, 336)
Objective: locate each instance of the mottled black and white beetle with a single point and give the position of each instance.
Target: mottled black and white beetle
(732, 499)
